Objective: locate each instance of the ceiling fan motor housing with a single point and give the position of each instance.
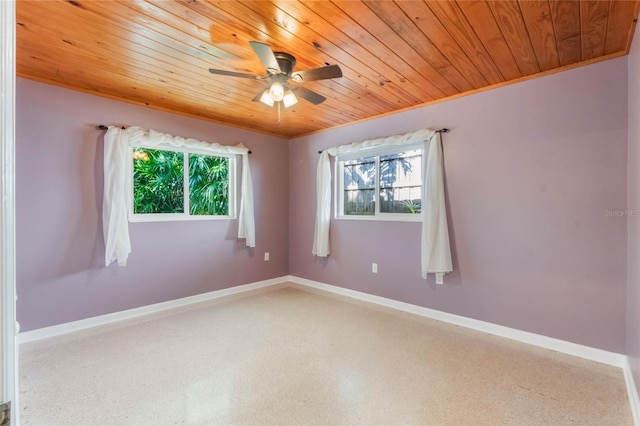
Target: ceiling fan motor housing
(286, 62)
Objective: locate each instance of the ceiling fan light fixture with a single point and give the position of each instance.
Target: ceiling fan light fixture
(266, 98)
(279, 67)
(276, 91)
(289, 99)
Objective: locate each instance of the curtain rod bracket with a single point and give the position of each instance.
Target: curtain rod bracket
(103, 127)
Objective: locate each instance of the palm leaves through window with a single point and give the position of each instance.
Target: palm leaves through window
(158, 183)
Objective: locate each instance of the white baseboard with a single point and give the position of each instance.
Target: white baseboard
(69, 327)
(599, 355)
(594, 354)
(632, 390)
(558, 345)
(562, 346)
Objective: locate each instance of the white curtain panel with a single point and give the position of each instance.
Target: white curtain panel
(115, 225)
(246, 222)
(436, 253)
(323, 206)
(117, 181)
(435, 249)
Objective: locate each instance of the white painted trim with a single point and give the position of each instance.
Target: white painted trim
(574, 349)
(9, 352)
(594, 354)
(377, 153)
(632, 391)
(232, 190)
(70, 327)
(599, 355)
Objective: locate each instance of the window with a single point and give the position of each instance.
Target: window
(384, 186)
(181, 185)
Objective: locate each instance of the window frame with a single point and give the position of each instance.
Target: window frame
(377, 153)
(185, 215)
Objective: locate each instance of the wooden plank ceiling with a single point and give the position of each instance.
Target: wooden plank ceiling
(393, 54)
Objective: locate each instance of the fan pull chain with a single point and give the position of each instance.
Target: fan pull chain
(279, 113)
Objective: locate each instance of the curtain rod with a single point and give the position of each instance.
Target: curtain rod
(443, 130)
(103, 127)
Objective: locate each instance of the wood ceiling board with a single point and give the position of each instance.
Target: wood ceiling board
(565, 15)
(537, 18)
(485, 26)
(347, 53)
(425, 20)
(157, 53)
(509, 18)
(330, 90)
(455, 22)
(187, 34)
(378, 29)
(594, 18)
(304, 42)
(137, 84)
(107, 51)
(620, 26)
(396, 19)
(123, 52)
(128, 21)
(330, 117)
(305, 49)
(155, 97)
(371, 50)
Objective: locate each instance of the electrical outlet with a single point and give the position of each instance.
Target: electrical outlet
(374, 268)
(266, 256)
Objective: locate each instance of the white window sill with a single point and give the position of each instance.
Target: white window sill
(174, 218)
(384, 217)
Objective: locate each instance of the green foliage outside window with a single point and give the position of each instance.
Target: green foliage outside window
(158, 183)
(208, 185)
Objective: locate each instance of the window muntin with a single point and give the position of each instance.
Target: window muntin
(386, 186)
(181, 185)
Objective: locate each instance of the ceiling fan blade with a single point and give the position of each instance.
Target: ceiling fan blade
(323, 73)
(309, 95)
(258, 96)
(233, 74)
(266, 56)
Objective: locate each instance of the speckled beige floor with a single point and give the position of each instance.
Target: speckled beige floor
(295, 356)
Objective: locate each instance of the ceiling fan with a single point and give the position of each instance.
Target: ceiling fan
(279, 66)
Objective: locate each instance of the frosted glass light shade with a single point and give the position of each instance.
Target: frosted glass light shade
(289, 99)
(276, 91)
(266, 98)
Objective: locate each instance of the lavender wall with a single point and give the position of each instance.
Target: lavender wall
(633, 264)
(60, 249)
(536, 180)
(531, 170)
